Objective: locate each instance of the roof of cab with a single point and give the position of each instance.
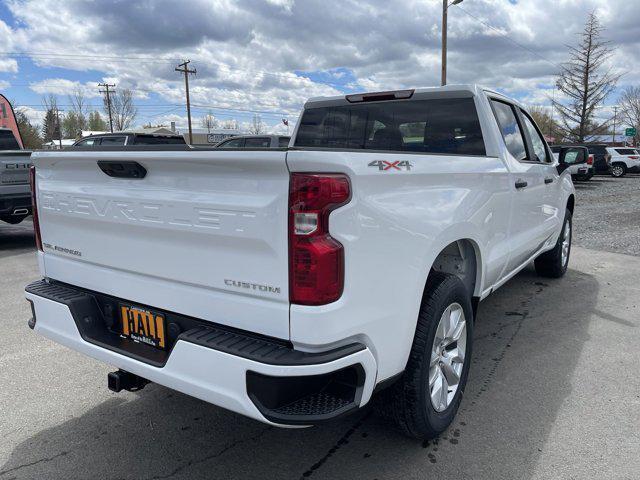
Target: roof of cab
(469, 89)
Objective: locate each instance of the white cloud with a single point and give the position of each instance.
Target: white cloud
(246, 51)
(62, 86)
(4, 84)
(34, 116)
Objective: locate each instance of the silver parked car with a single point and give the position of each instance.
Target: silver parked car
(255, 141)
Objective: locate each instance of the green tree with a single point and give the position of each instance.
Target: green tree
(50, 127)
(97, 123)
(72, 125)
(547, 124)
(30, 133)
(50, 123)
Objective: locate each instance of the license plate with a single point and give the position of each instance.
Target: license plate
(143, 326)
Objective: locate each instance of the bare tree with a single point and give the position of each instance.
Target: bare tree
(586, 83)
(230, 125)
(123, 109)
(209, 122)
(630, 105)
(78, 102)
(256, 127)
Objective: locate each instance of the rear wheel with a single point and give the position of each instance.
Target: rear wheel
(618, 170)
(554, 263)
(425, 401)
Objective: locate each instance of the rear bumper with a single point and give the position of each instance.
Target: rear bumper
(634, 169)
(250, 375)
(18, 205)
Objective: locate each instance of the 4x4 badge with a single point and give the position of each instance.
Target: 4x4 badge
(384, 165)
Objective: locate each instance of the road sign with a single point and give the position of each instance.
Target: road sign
(630, 132)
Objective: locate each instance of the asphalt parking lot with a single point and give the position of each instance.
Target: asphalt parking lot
(554, 390)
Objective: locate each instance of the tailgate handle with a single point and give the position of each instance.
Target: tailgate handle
(122, 169)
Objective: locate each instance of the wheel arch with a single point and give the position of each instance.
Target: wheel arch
(571, 203)
(462, 258)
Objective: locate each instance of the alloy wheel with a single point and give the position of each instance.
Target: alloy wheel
(447, 357)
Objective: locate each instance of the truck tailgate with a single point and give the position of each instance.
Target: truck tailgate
(203, 234)
(14, 168)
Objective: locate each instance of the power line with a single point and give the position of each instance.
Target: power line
(501, 33)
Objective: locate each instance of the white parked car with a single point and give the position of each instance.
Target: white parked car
(624, 160)
(290, 285)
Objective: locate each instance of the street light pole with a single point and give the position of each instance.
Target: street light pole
(445, 9)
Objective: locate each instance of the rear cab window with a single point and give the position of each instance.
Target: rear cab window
(8, 141)
(439, 126)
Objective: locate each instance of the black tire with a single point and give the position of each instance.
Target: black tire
(13, 219)
(550, 264)
(408, 401)
(618, 170)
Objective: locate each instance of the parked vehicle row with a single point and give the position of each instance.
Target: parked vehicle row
(617, 161)
(245, 277)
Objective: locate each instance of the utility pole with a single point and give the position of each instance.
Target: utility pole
(106, 86)
(615, 118)
(183, 69)
(445, 9)
(59, 126)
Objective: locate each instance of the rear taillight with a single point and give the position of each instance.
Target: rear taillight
(634, 157)
(316, 260)
(34, 206)
(590, 159)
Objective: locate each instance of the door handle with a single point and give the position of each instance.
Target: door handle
(548, 180)
(521, 184)
(124, 169)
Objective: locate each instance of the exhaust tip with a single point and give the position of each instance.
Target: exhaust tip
(21, 211)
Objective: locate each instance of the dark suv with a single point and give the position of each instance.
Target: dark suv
(129, 138)
(601, 159)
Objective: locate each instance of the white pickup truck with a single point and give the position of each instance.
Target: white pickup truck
(289, 285)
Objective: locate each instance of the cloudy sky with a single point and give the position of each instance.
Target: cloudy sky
(268, 56)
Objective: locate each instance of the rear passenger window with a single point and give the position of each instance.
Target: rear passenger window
(283, 141)
(539, 150)
(510, 129)
(438, 126)
(257, 142)
(626, 151)
(113, 141)
(235, 143)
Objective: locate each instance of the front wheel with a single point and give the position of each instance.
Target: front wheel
(426, 399)
(554, 263)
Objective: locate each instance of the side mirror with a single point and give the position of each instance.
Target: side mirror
(569, 156)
